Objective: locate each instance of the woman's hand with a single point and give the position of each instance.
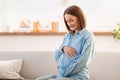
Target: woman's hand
(69, 51)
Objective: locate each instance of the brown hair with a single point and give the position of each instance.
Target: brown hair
(77, 12)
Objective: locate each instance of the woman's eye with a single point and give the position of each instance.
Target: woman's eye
(71, 20)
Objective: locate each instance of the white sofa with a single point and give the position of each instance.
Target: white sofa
(105, 65)
(35, 64)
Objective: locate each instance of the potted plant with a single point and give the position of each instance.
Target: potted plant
(116, 32)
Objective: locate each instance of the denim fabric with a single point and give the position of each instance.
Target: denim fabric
(75, 67)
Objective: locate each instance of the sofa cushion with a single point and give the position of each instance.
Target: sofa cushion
(10, 69)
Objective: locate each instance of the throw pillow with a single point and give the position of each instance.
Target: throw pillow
(10, 69)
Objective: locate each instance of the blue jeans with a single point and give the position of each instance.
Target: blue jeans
(53, 77)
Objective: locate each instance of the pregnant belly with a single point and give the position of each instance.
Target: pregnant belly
(65, 61)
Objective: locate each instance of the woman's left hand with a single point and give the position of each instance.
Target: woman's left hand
(70, 51)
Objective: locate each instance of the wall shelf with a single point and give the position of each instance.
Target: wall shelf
(47, 33)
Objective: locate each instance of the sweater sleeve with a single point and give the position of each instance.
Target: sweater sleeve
(82, 60)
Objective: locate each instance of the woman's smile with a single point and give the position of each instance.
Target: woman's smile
(72, 27)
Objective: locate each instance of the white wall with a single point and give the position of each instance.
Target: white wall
(99, 13)
(41, 43)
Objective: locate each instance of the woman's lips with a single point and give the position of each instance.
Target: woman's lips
(71, 26)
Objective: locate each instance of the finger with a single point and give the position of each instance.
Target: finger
(73, 52)
(67, 52)
(70, 51)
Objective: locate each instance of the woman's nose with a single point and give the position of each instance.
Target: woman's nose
(69, 24)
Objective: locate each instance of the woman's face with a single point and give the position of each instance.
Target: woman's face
(72, 22)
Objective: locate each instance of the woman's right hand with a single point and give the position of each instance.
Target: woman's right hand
(69, 51)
